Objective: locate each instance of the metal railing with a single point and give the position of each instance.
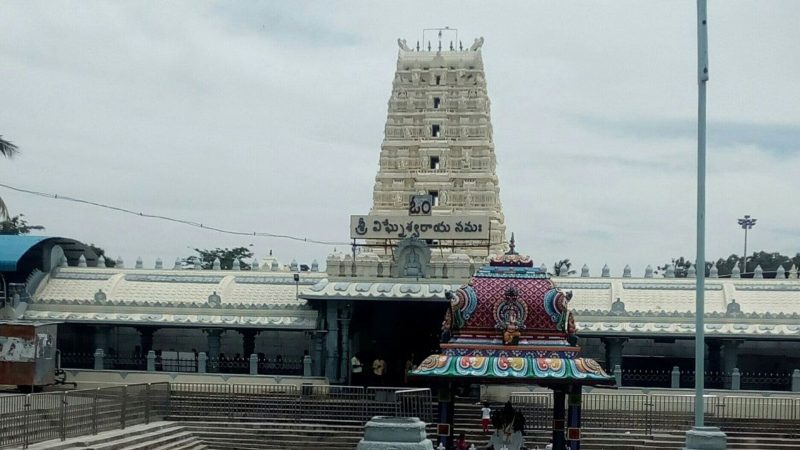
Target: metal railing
(667, 412)
(323, 403)
(31, 418)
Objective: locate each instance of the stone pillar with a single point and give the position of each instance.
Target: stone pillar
(201, 362)
(613, 352)
(344, 359)
(248, 341)
(796, 380)
(253, 364)
(319, 344)
(99, 354)
(102, 337)
(730, 355)
(618, 375)
(675, 382)
(213, 338)
(559, 440)
(736, 380)
(146, 338)
(151, 361)
(332, 342)
(574, 417)
(306, 366)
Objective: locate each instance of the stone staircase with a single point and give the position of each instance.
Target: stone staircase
(216, 432)
(154, 436)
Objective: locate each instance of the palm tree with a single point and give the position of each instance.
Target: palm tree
(8, 150)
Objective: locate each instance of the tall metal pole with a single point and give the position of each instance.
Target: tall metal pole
(744, 256)
(702, 78)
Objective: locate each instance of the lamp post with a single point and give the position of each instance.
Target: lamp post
(746, 223)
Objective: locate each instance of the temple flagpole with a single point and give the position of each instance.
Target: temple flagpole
(701, 437)
(700, 265)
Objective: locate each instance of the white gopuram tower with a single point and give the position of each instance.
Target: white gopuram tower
(438, 138)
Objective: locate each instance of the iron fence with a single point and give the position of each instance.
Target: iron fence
(31, 418)
(666, 412)
(323, 403)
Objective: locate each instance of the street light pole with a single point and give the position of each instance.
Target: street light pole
(746, 223)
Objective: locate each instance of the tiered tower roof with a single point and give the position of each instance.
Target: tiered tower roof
(438, 139)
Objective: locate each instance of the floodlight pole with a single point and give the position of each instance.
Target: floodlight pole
(700, 265)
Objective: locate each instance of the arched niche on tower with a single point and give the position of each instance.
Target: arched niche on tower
(412, 259)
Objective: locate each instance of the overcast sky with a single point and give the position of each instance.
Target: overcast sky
(268, 116)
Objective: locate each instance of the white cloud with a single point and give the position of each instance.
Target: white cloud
(269, 117)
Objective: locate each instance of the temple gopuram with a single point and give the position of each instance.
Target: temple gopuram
(511, 324)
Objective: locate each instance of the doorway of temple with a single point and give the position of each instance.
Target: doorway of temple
(400, 333)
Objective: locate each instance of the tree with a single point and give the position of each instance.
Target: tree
(557, 267)
(8, 150)
(17, 225)
(681, 266)
(226, 257)
(769, 262)
(110, 262)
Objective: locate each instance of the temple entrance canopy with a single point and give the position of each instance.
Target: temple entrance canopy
(510, 324)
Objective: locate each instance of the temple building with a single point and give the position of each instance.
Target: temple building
(436, 219)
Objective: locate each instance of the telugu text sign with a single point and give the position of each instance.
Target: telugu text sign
(420, 227)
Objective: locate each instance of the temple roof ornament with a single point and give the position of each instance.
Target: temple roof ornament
(713, 272)
(670, 271)
(648, 271)
(793, 271)
(82, 261)
(626, 271)
(217, 265)
(159, 264)
(759, 272)
(178, 264)
(735, 272)
(120, 263)
(139, 263)
(510, 322)
(691, 272)
(606, 271)
(780, 273)
(585, 271)
(101, 262)
(236, 264)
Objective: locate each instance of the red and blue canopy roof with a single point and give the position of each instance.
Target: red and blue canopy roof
(510, 323)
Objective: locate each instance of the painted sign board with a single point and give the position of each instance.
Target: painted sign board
(420, 205)
(420, 227)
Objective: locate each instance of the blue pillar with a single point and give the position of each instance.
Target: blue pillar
(446, 415)
(558, 418)
(574, 417)
(332, 342)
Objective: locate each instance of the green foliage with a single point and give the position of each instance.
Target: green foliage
(681, 266)
(18, 225)
(226, 257)
(769, 262)
(557, 267)
(8, 150)
(110, 262)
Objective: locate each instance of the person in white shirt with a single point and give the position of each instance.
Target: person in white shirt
(486, 417)
(356, 371)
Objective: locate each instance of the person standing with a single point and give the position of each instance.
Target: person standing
(486, 417)
(379, 370)
(356, 370)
